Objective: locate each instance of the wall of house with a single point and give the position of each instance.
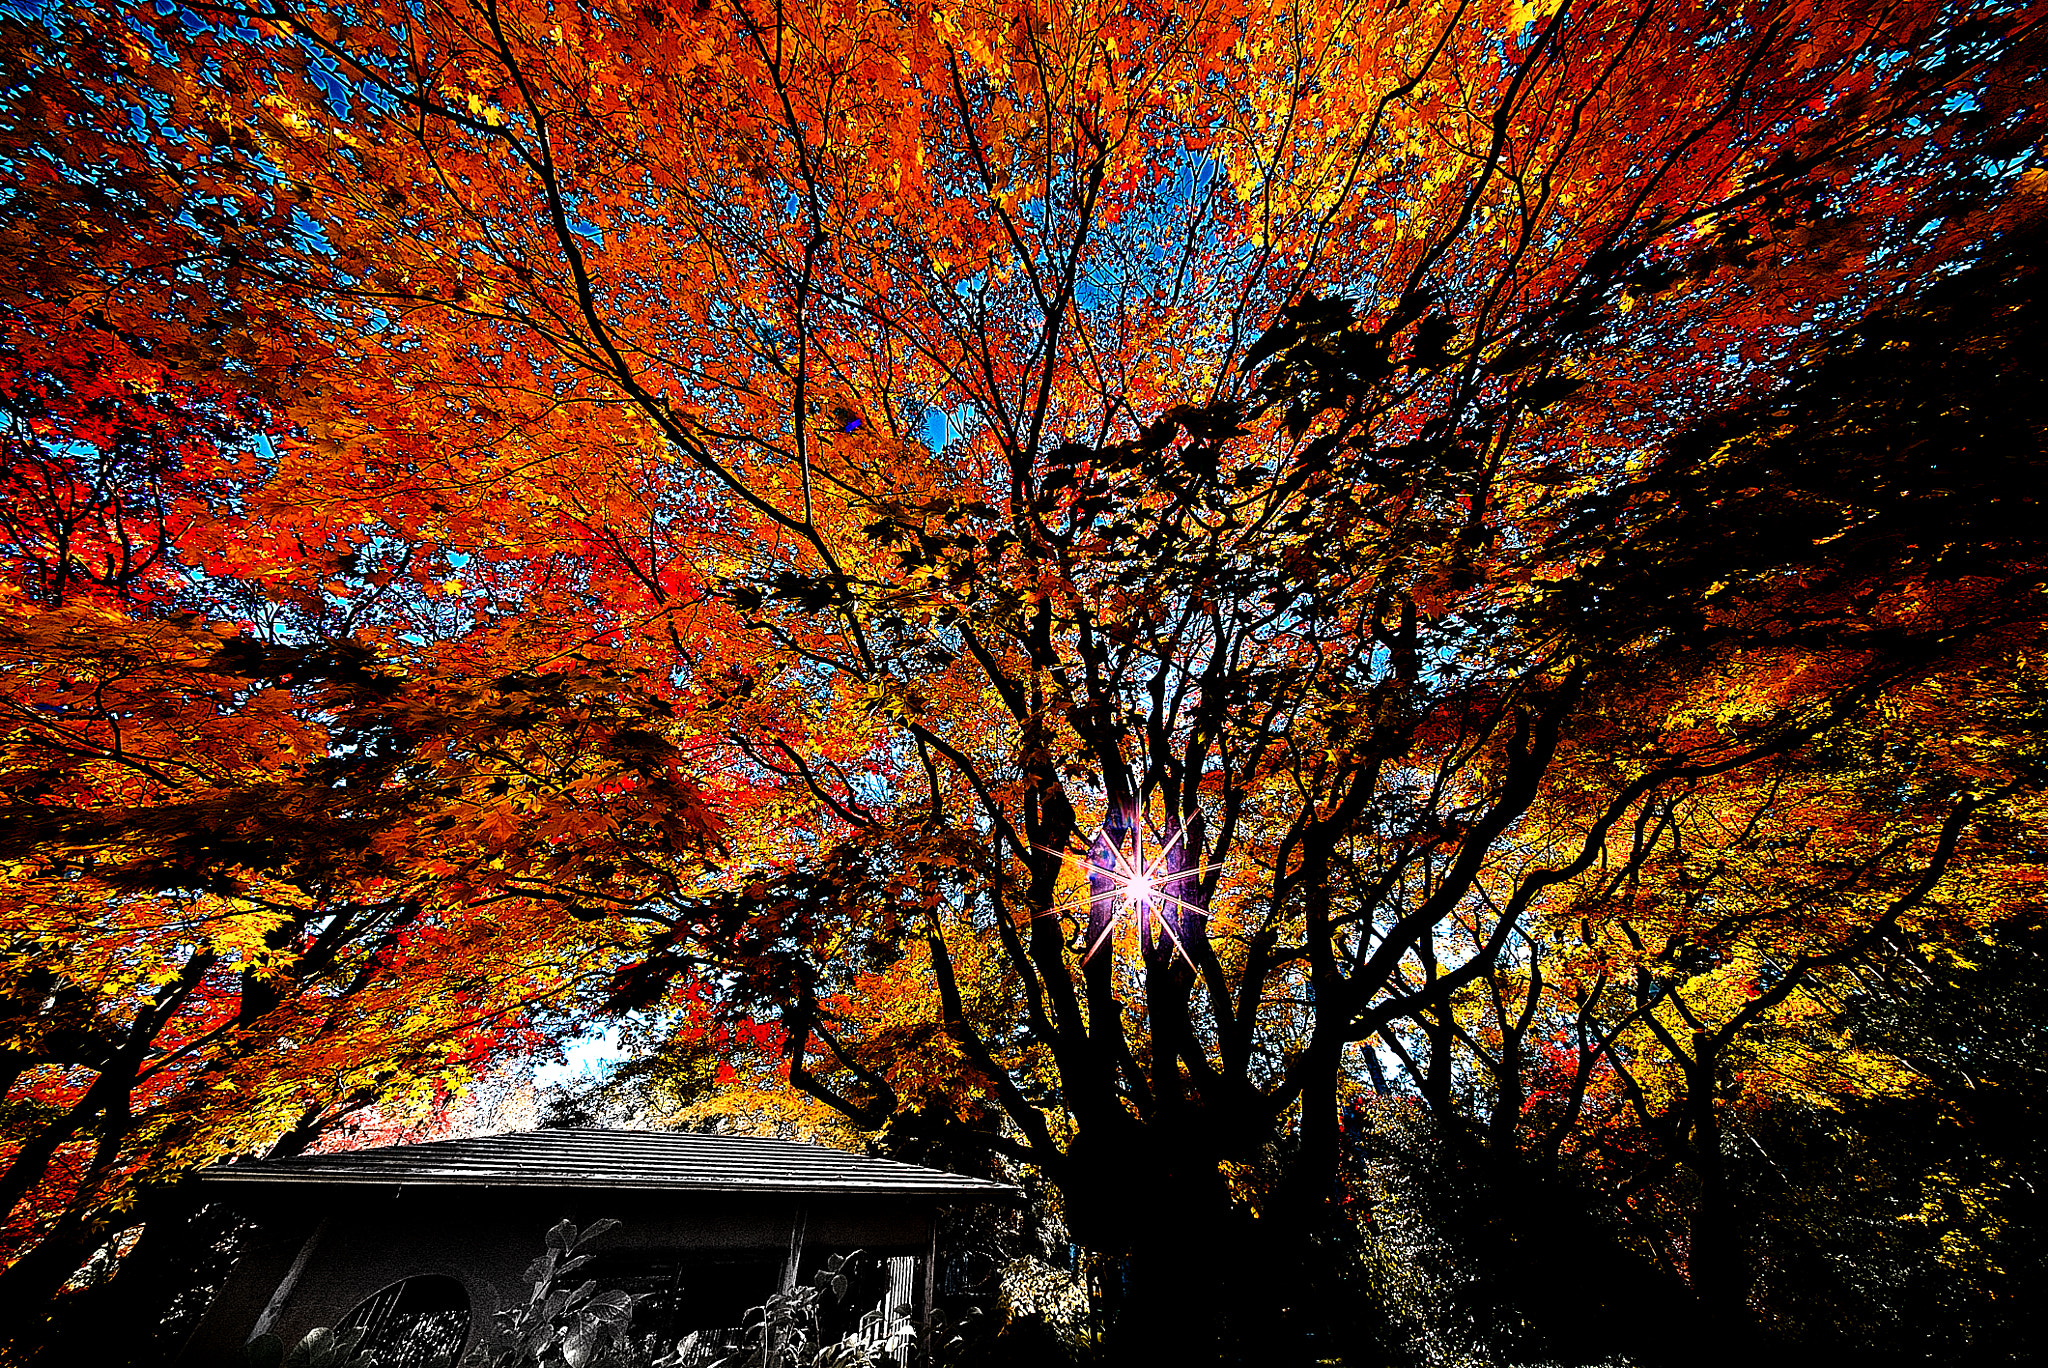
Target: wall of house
(367, 1238)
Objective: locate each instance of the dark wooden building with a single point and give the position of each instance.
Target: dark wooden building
(422, 1245)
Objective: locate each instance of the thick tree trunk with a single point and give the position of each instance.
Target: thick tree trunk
(1719, 1258)
(29, 1287)
(1166, 1219)
(1718, 1248)
(1171, 1297)
(141, 1317)
(1569, 1278)
(1206, 1284)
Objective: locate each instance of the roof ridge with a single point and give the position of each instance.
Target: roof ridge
(613, 1157)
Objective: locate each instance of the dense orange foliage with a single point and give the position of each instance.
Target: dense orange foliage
(966, 441)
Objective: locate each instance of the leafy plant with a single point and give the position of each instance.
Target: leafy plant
(562, 1326)
(788, 1330)
(322, 1347)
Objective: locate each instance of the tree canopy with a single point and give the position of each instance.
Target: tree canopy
(1120, 580)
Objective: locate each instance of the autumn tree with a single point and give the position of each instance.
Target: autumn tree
(262, 824)
(1704, 976)
(1159, 507)
(252, 890)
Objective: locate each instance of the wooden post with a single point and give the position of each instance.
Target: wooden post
(931, 1278)
(276, 1303)
(798, 1222)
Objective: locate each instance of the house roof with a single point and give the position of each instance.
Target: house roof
(632, 1160)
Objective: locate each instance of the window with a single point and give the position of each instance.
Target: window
(418, 1323)
(677, 1292)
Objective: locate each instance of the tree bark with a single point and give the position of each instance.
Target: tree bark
(29, 1287)
(1718, 1255)
(1175, 1289)
(139, 1319)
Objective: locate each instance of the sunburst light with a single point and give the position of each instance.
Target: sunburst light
(1135, 885)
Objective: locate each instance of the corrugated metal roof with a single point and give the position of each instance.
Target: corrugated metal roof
(616, 1159)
